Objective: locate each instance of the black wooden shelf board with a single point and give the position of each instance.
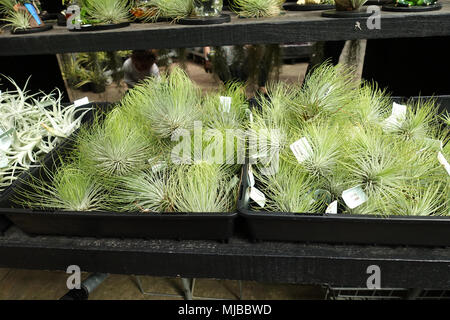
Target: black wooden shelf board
(293, 27)
(281, 262)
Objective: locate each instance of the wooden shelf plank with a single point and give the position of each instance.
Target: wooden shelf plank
(293, 27)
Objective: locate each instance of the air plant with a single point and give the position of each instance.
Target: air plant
(203, 187)
(68, 188)
(169, 103)
(116, 147)
(18, 20)
(173, 9)
(258, 8)
(349, 5)
(371, 105)
(144, 191)
(290, 189)
(32, 125)
(107, 11)
(327, 91)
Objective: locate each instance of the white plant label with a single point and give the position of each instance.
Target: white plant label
(81, 102)
(258, 197)
(332, 207)
(3, 160)
(251, 178)
(444, 162)
(225, 104)
(397, 116)
(301, 149)
(354, 197)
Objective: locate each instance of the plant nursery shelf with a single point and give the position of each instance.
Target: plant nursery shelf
(281, 262)
(294, 26)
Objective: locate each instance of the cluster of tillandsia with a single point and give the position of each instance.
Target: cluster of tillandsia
(129, 161)
(31, 125)
(104, 11)
(345, 143)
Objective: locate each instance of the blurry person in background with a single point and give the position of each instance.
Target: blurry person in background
(140, 65)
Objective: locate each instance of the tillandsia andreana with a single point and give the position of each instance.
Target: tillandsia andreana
(355, 141)
(31, 125)
(258, 8)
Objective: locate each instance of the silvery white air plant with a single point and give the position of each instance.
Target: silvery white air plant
(31, 125)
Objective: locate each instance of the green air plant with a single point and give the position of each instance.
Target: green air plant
(169, 104)
(203, 187)
(258, 8)
(173, 9)
(326, 91)
(348, 5)
(116, 147)
(290, 189)
(144, 191)
(69, 188)
(32, 125)
(107, 11)
(418, 122)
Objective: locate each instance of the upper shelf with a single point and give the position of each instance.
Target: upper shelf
(292, 27)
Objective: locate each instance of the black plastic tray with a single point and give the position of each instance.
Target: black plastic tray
(340, 228)
(393, 7)
(4, 195)
(193, 226)
(307, 7)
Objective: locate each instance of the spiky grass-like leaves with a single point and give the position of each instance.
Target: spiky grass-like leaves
(116, 147)
(290, 189)
(18, 20)
(169, 103)
(107, 11)
(258, 8)
(174, 9)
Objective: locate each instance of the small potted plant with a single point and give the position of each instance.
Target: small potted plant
(161, 10)
(347, 9)
(90, 15)
(309, 5)
(412, 5)
(22, 16)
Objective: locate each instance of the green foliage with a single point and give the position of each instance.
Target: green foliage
(107, 11)
(258, 8)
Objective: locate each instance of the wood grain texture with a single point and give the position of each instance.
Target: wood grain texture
(293, 27)
(278, 262)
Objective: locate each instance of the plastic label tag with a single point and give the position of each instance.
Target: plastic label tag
(251, 178)
(225, 104)
(354, 197)
(444, 162)
(81, 102)
(258, 197)
(301, 149)
(332, 207)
